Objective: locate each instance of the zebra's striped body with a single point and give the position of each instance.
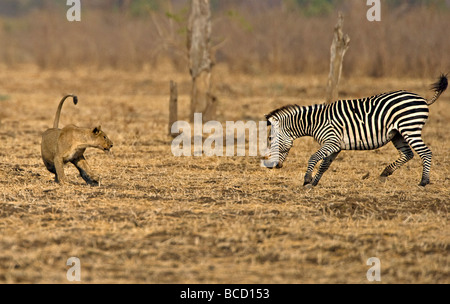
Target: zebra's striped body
(360, 124)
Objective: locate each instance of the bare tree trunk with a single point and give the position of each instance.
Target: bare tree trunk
(173, 105)
(200, 63)
(338, 49)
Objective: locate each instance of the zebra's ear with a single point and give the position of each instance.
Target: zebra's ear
(271, 121)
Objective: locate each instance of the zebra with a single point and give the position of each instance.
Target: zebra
(359, 124)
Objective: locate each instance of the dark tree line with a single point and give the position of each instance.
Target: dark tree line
(13, 8)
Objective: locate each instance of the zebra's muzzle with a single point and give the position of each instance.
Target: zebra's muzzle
(271, 164)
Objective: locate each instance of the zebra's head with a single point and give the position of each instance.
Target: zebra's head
(279, 144)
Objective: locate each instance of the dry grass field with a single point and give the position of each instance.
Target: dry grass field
(156, 218)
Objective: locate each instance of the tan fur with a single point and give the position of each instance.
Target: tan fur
(60, 146)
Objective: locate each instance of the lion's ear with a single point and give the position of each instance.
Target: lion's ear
(97, 130)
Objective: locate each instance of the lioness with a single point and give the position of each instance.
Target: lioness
(60, 146)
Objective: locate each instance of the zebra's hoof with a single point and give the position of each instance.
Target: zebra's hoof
(424, 183)
(308, 179)
(93, 183)
(383, 179)
(308, 186)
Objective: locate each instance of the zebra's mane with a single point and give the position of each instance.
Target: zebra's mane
(283, 110)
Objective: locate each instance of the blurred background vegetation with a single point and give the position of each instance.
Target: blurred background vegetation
(252, 36)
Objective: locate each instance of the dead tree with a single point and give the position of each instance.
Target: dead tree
(173, 105)
(339, 47)
(200, 63)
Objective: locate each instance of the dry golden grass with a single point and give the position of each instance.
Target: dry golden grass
(157, 218)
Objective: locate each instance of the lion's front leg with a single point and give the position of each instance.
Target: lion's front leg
(85, 171)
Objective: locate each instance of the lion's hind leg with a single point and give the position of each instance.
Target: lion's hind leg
(59, 167)
(51, 167)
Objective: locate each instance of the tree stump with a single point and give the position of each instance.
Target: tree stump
(173, 105)
(339, 47)
(200, 63)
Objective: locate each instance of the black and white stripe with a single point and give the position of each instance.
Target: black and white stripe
(360, 124)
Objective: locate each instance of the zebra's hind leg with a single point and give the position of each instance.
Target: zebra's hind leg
(324, 167)
(416, 143)
(406, 154)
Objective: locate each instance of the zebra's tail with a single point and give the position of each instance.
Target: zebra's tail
(439, 87)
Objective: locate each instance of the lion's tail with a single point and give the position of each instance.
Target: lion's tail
(58, 111)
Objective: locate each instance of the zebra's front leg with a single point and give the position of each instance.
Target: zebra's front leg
(324, 152)
(324, 167)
